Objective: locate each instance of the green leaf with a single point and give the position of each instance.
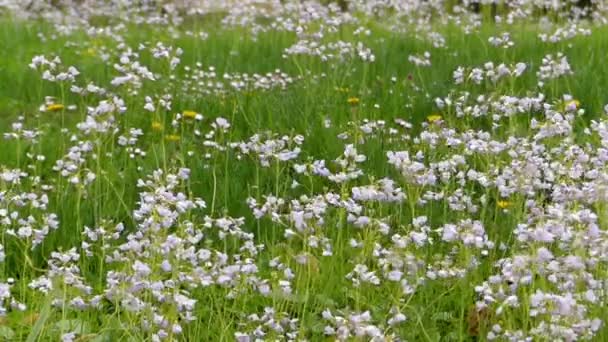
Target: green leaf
(325, 300)
(75, 325)
(443, 316)
(45, 313)
(6, 333)
(105, 337)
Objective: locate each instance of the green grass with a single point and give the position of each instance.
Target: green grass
(438, 310)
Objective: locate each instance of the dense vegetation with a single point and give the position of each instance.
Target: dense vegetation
(296, 170)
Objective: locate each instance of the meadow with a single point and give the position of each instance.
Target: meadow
(268, 170)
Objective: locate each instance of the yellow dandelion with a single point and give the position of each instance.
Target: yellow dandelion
(157, 126)
(433, 118)
(55, 107)
(353, 101)
(189, 114)
(503, 204)
(172, 137)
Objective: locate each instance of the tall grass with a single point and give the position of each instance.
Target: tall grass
(440, 308)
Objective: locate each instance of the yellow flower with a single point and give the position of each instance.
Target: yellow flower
(172, 137)
(157, 126)
(503, 204)
(433, 118)
(572, 104)
(189, 114)
(55, 107)
(353, 101)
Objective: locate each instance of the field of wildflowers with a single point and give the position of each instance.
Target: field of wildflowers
(286, 170)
